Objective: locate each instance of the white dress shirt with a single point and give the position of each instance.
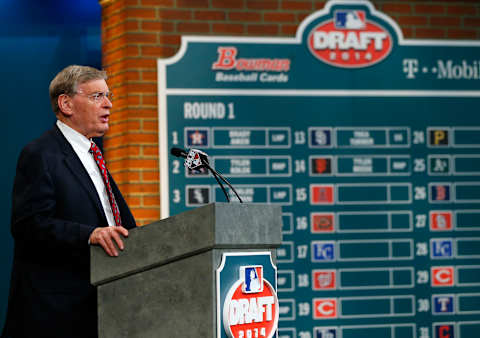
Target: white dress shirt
(81, 146)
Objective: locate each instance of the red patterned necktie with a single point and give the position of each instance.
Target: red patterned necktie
(97, 156)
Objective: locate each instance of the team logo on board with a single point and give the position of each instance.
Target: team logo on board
(324, 308)
(325, 332)
(350, 40)
(441, 221)
(322, 222)
(321, 194)
(443, 304)
(444, 330)
(442, 276)
(196, 137)
(324, 279)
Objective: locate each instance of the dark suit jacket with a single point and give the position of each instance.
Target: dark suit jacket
(55, 209)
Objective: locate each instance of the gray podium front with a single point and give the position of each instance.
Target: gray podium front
(163, 283)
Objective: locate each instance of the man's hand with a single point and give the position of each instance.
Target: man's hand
(105, 236)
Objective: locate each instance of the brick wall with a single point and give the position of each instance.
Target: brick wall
(137, 32)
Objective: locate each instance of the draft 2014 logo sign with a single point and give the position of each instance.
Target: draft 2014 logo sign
(250, 305)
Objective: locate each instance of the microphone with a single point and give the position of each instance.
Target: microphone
(178, 152)
(196, 159)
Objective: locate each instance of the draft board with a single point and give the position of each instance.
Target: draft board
(369, 141)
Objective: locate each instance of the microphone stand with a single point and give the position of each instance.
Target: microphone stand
(217, 174)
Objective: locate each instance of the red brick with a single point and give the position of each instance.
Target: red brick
(114, 44)
(143, 213)
(407, 32)
(115, 31)
(144, 188)
(148, 176)
(244, 16)
(425, 33)
(144, 113)
(262, 4)
(278, 17)
(302, 15)
(289, 30)
(141, 38)
(193, 27)
(412, 20)
(399, 8)
(158, 26)
(158, 3)
(121, 127)
(192, 4)
(174, 14)
(115, 55)
(155, 51)
(461, 34)
(459, 10)
(150, 126)
(142, 88)
(320, 4)
(235, 4)
(297, 5)
(444, 21)
(471, 22)
(429, 9)
(263, 30)
(151, 200)
(131, 200)
(123, 152)
(141, 13)
(151, 150)
(150, 100)
(149, 76)
(170, 39)
(227, 28)
(209, 15)
(140, 63)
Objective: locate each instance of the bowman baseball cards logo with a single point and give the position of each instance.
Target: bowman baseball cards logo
(350, 40)
(250, 305)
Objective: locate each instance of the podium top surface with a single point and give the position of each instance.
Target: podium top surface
(214, 226)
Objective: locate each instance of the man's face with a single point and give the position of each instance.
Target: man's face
(89, 116)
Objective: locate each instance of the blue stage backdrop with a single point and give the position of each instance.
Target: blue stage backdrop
(37, 39)
(370, 142)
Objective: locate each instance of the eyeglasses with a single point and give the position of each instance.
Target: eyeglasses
(98, 96)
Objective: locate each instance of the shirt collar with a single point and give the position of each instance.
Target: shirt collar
(77, 140)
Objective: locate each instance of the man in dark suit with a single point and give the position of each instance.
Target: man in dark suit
(63, 202)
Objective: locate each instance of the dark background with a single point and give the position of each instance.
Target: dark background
(37, 40)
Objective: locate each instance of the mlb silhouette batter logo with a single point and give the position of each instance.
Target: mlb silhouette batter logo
(252, 278)
(349, 19)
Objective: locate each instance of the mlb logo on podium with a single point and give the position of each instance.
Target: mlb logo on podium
(349, 19)
(252, 277)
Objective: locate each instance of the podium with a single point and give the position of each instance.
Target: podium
(163, 283)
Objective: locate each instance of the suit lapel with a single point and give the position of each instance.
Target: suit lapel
(78, 170)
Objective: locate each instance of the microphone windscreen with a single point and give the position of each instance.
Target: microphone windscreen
(178, 152)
